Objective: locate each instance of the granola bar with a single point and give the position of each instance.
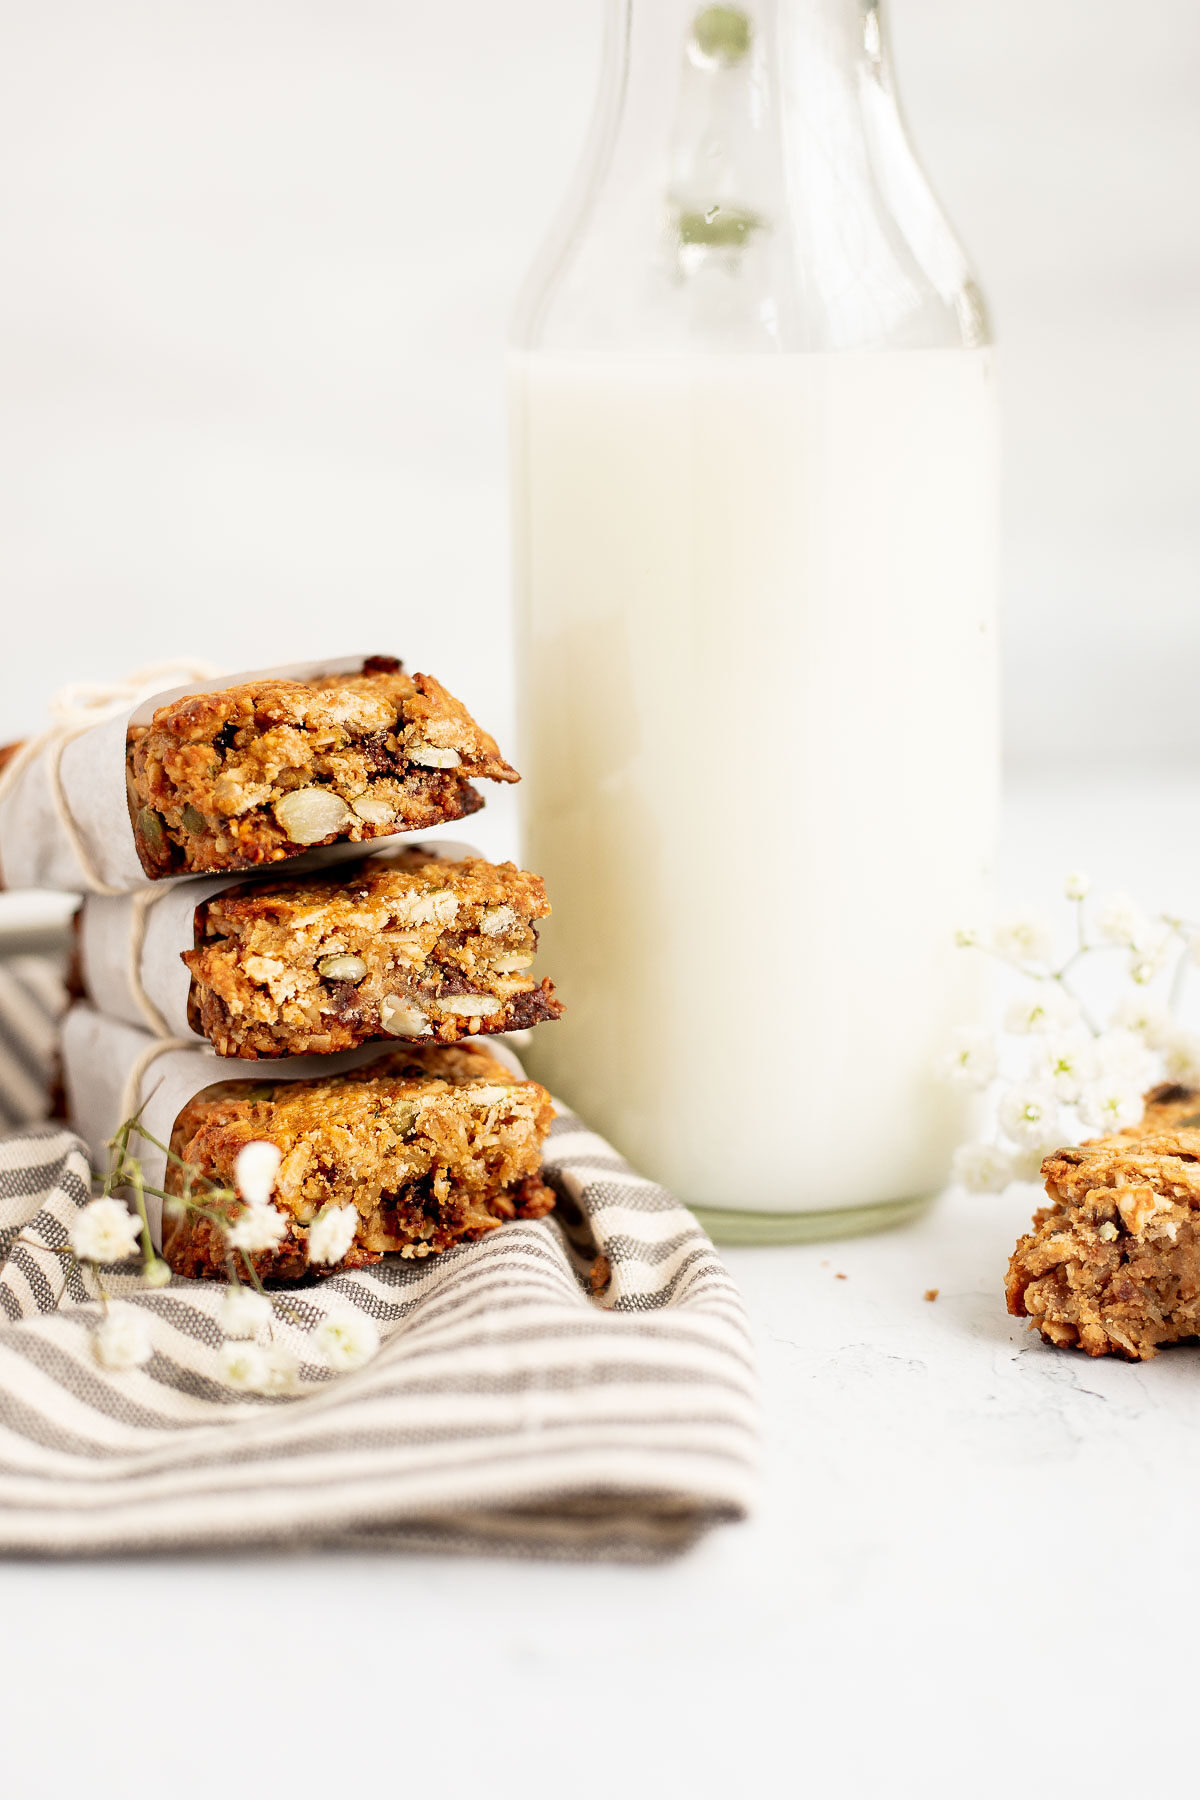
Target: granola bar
(263, 771)
(431, 1146)
(407, 944)
(1112, 1265)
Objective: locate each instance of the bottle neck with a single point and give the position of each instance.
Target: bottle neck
(723, 87)
(750, 185)
(800, 42)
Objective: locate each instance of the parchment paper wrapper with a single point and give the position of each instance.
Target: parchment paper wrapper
(111, 1070)
(35, 848)
(110, 927)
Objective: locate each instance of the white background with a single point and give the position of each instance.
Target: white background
(258, 260)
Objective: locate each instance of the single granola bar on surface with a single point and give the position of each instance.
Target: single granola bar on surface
(407, 944)
(265, 770)
(1112, 1265)
(430, 1146)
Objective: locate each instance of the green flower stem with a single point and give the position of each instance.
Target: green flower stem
(72, 1265)
(292, 1316)
(171, 1155)
(126, 1170)
(139, 1188)
(50, 1249)
(1066, 987)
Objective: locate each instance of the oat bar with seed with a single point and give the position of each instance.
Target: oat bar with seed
(265, 770)
(407, 944)
(1112, 1265)
(432, 1146)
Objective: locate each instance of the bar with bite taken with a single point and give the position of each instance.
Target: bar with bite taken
(1112, 1265)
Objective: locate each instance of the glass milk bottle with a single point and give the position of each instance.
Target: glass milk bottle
(754, 485)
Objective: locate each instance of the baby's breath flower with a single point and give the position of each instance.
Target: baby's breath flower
(1044, 1007)
(1123, 1060)
(1027, 1164)
(331, 1233)
(281, 1371)
(1109, 1107)
(1024, 938)
(105, 1231)
(1149, 958)
(257, 1228)
(966, 937)
(982, 1168)
(1153, 1024)
(122, 1339)
(1028, 1115)
(259, 1368)
(1183, 1056)
(1069, 1063)
(348, 1339)
(243, 1312)
(1103, 1076)
(156, 1273)
(255, 1170)
(1119, 920)
(971, 1062)
(244, 1366)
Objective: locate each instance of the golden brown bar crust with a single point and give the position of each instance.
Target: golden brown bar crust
(266, 770)
(433, 1147)
(1112, 1265)
(408, 945)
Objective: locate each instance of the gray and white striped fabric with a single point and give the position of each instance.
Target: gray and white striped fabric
(510, 1408)
(32, 1001)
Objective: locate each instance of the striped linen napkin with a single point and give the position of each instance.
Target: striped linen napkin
(580, 1386)
(32, 1000)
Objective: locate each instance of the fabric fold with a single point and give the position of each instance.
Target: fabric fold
(578, 1386)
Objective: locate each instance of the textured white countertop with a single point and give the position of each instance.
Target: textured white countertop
(972, 1573)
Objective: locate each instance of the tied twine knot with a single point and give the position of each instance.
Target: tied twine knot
(80, 704)
(74, 709)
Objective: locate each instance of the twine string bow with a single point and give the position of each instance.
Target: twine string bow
(74, 709)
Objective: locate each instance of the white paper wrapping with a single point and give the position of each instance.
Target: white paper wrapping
(36, 849)
(131, 945)
(111, 1070)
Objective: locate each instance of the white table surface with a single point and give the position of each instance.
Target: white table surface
(973, 1571)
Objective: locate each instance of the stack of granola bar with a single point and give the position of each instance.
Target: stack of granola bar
(250, 803)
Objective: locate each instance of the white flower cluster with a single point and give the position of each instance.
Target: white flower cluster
(123, 1338)
(347, 1339)
(105, 1231)
(261, 1226)
(1053, 1074)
